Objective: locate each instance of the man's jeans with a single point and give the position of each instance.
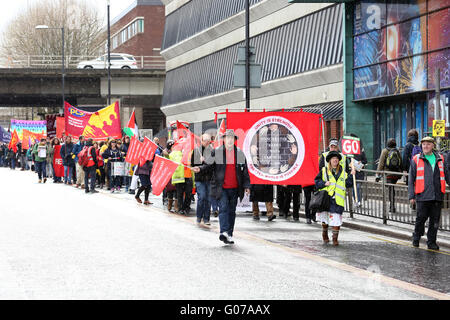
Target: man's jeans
(89, 172)
(203, 204)
(227, 210)
(68, 174)
(41, 168)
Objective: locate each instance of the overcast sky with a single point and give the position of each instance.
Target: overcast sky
(10, 9)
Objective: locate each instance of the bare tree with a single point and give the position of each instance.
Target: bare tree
(80, 19)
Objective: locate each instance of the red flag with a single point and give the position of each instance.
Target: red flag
(148, 151)
(162, 172)
(134, 151)
(60, 125)
(182, 131)
(186, 145)
(58, 162)
(281, 148)
(222, 130)
(14, 141)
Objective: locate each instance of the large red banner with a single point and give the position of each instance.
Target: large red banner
(280, 147)
(58, 162)
(162, 172)
(60, 127)
(96, 125)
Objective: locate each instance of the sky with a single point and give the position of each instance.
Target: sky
(10, 9)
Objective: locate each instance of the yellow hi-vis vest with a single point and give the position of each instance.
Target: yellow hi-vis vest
(336, 188)
(343, 161)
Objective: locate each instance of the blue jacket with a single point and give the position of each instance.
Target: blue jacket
(77, 149)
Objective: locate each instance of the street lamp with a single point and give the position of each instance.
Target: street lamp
(45, 27)
(109, 56)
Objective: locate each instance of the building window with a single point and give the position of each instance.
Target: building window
(140, 25)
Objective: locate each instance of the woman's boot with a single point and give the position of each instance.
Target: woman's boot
(255, 210)
(325, 233)
(269, 208)
(176, 205)
(169, 204)
(335, 236)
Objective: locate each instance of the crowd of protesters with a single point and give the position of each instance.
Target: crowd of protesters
(219, 176)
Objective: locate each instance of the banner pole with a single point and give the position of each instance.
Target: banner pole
(354, 181)
(323, 133)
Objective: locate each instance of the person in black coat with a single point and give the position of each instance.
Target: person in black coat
(413, 141)
(68, 161)
(144, 172)
(230, 179)
(91, 168)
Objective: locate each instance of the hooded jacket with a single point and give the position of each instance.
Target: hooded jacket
(407, 152)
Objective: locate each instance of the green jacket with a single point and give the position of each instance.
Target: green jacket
(178, 176)
(36, 153)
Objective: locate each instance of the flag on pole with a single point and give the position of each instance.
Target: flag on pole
(148, 151)
(14, 141)
(220, 133)
(134, 151)
(162, 172)
(131, 129)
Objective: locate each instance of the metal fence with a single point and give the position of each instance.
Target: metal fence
(71, 62)
(388, 201)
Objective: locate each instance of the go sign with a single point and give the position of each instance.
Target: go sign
(351, 145)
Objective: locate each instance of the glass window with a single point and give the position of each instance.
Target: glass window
(438, 29)
(419, 119)
(141, 25)
(403, 117)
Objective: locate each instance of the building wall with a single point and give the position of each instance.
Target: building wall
(142, 44)
(298, 45)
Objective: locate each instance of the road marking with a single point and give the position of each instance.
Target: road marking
(406, 244)
(342, 266)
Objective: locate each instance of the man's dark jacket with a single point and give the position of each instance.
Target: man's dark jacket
(407, 152)
(432, 180)
(216, 163)
(204, 175)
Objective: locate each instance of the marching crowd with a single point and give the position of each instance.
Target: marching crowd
(219, 176)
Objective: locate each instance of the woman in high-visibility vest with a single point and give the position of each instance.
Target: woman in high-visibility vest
(334, 179)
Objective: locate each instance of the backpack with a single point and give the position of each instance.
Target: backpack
(83, 156)
(393, 160)
(416, 150)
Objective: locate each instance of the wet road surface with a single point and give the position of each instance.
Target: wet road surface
(57, 242)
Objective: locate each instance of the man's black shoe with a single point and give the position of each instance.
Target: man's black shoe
(86, 191)
(415, 243)
(433, 246)
(93, 191)
(272, 217)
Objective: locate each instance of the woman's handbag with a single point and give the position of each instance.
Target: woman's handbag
(320, 201)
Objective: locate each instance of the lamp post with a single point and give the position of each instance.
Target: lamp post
(109, 56)
(63, 71)
(247, 55)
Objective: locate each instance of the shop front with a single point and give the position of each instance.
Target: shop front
(400, 57)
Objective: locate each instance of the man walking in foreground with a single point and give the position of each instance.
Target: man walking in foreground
(230, 180)
(426, 188)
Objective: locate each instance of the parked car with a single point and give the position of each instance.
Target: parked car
(118, 61)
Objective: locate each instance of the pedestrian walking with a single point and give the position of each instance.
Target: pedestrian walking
(411, 148)
(334, 179)
(428, 174)
(359, 161)
(183, 180)
(390, 160)
(202, 180)
(110, 156)
(40, 151)
(79, 170)
(90, 169)
(230, 181)
(68, 160)
(262, 193)
(144, 173)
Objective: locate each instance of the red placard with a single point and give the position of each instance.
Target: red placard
(148, 151)
(58, 162)
(134, 151)
(350, 145)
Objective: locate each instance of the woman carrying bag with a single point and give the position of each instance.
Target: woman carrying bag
(335, 180)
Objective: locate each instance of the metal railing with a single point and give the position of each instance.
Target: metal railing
(389, 201)
(71, 62)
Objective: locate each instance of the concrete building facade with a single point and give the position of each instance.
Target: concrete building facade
(298, 45)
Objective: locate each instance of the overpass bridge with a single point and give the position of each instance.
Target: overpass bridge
(42, 87)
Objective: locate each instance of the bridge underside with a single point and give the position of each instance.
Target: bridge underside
(140, 90)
